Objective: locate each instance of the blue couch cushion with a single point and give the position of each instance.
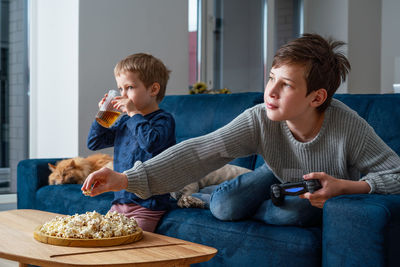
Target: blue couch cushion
(65, 198)
(32, 174)
(369, 222)
(245, 243)
(379, 112)
(197, 115)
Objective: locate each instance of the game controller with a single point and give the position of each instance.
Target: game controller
(279, 191)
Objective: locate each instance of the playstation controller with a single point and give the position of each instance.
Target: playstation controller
(279, 191)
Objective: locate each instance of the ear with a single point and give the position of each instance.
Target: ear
(320, 96)
(52, 167)
(72, 164)
(155, 89)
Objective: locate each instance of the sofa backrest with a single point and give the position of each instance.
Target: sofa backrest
(197, 115)
(381, 111)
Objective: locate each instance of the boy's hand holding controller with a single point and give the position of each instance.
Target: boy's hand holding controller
(279, 191)
(332, 187)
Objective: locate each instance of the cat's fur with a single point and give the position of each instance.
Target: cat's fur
(225, 173)
(75, 170)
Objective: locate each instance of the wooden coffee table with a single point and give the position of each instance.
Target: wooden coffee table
(17, 244)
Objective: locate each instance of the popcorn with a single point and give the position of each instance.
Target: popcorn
(91, 225)
(87, 192)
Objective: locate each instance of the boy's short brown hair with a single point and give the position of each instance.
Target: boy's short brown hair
(150, 69)
(324, 66)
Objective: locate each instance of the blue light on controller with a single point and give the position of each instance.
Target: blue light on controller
(294, 189)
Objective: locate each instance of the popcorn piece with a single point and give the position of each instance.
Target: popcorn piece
(91, 225)
(87, 192)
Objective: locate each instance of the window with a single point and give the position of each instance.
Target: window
(4, 97)
(13, 90)
(232, 42)
(193, 32)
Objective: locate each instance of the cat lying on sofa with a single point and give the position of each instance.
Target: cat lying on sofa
(225, 173)
(75, 170)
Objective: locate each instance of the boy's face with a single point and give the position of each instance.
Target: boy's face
(132, 87)
(285, 94)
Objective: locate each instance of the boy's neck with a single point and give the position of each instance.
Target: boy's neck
(151, 110)
(305, 132)
(147, 110)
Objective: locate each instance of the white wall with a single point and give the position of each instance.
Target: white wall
(328, 18)
(242, 52)
(390, 45)
(364, 46)
(112, 30)
(371, 29)
(74, 47)
(53, 78)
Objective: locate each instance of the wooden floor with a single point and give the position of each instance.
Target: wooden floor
(8, 202)
(7, 263)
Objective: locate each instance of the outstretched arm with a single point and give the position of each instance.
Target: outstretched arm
(187, 161)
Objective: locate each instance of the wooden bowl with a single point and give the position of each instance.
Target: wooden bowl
(78, 242)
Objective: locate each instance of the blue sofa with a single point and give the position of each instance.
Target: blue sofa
(357, 230)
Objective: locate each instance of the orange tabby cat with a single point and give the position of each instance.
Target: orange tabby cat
(75, 170)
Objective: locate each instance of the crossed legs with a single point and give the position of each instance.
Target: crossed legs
(248, 196)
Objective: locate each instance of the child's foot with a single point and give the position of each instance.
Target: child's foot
(191, 202)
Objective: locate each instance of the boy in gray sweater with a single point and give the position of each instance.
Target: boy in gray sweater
(301, 132)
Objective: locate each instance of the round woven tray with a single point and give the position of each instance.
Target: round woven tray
(77, 242)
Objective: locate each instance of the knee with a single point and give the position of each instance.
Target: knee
(295, 211)
(224, 206)
(221, 207)
(221, 211)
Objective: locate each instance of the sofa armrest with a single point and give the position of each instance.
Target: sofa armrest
(31, 175)
(361, 230)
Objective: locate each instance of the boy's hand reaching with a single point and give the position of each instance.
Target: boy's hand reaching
(332, 187)
(104, 180)
(124, 104)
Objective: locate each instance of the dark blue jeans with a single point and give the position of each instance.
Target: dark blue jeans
(248, 196)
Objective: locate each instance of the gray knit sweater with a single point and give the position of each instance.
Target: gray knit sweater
(346, 147)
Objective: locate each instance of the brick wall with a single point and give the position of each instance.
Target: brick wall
(284, 22)
(18, 86)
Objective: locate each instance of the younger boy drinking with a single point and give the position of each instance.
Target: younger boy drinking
(145, 131)
(301, 132)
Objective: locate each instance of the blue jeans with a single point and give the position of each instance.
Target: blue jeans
(205, 194)
(248, 196)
